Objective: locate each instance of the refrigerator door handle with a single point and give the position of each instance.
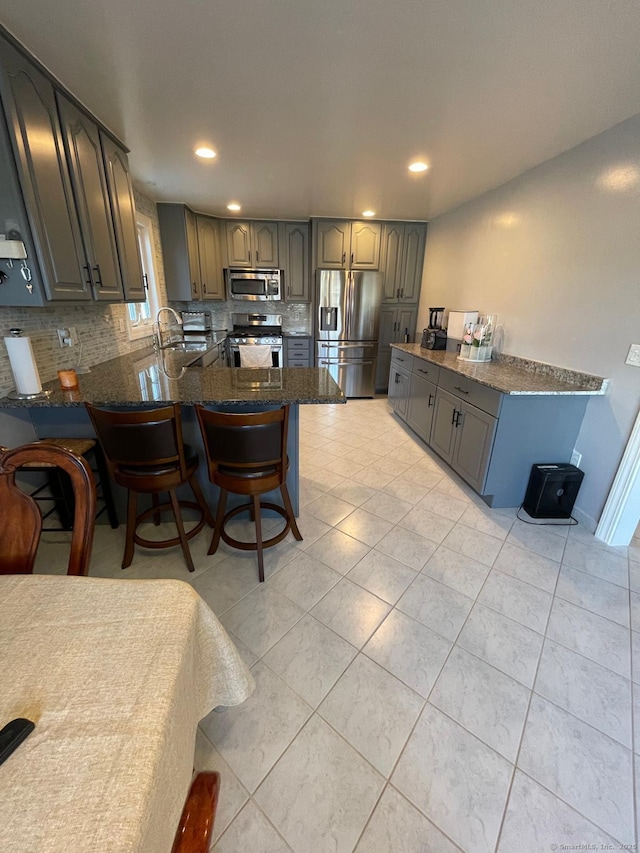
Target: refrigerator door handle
(349, 293)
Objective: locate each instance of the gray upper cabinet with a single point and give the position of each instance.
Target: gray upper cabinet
(32, 119)
(402, 261)
(415, 234)
(294, 257)
(252, 244)
(124, 218)
(74, 208)
(340, 244)
(84, 155)
(209, 258)
(191, 252)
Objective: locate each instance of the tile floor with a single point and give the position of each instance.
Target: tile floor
(431, 675)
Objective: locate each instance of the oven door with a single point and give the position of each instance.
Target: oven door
(253, 285)
(234, 355)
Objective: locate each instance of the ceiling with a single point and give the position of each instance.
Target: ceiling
(316, 108)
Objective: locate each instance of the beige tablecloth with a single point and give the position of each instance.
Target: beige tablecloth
(116, 675)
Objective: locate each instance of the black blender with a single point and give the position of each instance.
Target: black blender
(434, 337)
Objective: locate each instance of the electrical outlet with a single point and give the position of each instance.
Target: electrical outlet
(63, 337)
(576, 458)
(634, 355)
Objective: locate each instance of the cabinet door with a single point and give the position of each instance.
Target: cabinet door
(398, 397)
(238, 241)
(30, 107)
(386, 336)
(332, 245)
(84, 154)
(420, 406)
(445, 413)
(295, 261)
(392, 261)
(365, 245)
(264, 245)
(412, 261)
(406, 323)
(474, 432)
(193, 258)
(124, 219)
(210, 259)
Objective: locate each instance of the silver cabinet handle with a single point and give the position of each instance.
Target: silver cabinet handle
(430, 401)
(461, 390)
(344, 257)
(351, 258)
(204, 286)
(98, 275)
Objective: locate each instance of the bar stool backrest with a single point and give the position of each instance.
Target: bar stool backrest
(140, 439)
(246, 442)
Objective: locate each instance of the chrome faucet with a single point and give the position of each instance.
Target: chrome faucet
(157, 328)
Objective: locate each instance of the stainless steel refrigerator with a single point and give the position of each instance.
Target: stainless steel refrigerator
(347, 323)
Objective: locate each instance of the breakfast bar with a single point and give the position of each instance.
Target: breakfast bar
(145, 378)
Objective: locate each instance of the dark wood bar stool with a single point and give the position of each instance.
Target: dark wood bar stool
(58, 491)
(146, 455)
(247, 455)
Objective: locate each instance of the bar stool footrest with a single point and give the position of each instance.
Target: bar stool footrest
(253, 546)
(166, 507)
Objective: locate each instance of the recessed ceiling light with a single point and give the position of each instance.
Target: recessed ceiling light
(233, 206)
(368, 213)
(206, 153)
(418, 166)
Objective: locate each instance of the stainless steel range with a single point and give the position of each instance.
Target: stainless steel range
(253, 329)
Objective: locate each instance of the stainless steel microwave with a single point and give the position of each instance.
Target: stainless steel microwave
(254, 285)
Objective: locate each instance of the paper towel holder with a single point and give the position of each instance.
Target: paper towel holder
(15, 395)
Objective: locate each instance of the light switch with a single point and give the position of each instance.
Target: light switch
(634, 355)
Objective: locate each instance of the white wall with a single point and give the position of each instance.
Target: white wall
(556, 254)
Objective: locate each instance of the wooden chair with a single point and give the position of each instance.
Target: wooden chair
(198, 816)
(146, 455)
(247, 455)
(21, 520)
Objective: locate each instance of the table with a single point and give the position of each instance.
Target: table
(116, 675)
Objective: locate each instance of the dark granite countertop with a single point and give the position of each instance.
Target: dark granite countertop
(143, 377)
(512, 375)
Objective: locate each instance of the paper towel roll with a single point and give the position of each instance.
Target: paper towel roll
(23, 365)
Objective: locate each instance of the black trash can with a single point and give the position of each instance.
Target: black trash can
(552, 490)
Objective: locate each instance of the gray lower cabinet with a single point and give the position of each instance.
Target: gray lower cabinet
(463, 435)
(421, 404)
(394, 320)
(191, 252)
(297, 351)
(490, 439)
(294, 260)
(399, 382)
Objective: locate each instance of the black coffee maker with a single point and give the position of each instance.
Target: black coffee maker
(434, 337)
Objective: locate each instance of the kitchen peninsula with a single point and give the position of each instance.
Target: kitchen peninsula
(145, 379)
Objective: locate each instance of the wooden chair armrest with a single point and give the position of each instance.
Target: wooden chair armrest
(196, 823)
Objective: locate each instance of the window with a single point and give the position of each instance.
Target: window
(140, 314)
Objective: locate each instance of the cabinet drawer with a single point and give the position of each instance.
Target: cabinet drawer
(426, 369)
(401, 359)
(296, 346)
(298, 362)
(484, 398)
